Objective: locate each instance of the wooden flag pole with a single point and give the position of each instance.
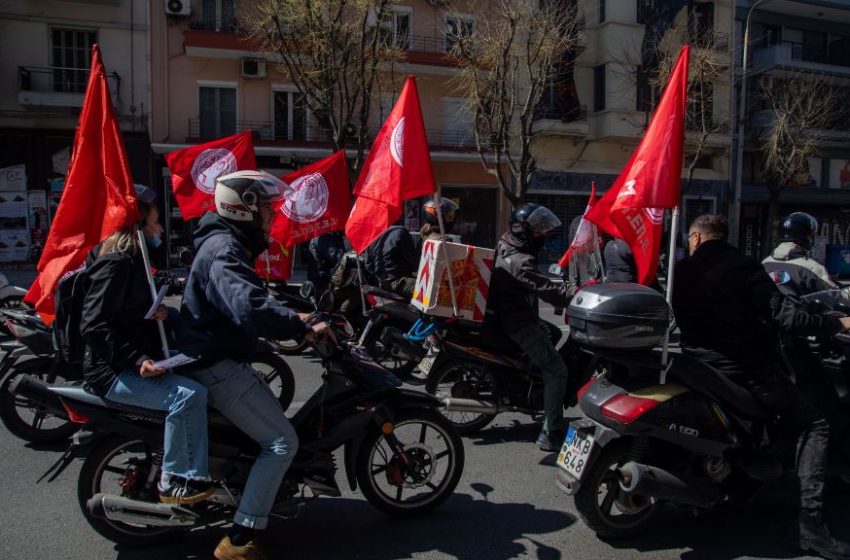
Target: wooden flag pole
(438, 199)
(143, 247)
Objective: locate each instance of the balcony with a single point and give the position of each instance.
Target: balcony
(789, 55)
(460, 140)
(58, 88)
(553, 120)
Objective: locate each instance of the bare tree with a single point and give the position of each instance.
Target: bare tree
(795, 124)
(505, 64)
(336, 55)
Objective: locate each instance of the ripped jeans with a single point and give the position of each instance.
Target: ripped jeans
(244, 398)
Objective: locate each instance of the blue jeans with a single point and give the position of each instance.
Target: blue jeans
(534, 342)
(244, 398)
(185, 400)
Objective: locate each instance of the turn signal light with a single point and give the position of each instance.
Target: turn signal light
(627, 408)
(74, 416)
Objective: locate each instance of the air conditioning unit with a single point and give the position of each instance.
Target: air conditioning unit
(178, 7)
(253, 68)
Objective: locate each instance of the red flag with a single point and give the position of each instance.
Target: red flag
(369, 219)
(633, 208)
(585, 240)
(317, 200)
(398, 168)
(275, 263)
(195, 169)
(98, 198)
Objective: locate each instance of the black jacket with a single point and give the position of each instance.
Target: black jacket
(225, 306)
(392, 255)
(516, 285)
(620, 264)
(113, 327)
(324, 253)
(729, 309)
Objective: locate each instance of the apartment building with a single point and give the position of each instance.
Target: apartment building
(209, 82)
(789, 39)
(47, 48)
(594, 115)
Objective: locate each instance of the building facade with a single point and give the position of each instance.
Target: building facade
(47, 47)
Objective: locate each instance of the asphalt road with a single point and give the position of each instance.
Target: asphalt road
(506, 506)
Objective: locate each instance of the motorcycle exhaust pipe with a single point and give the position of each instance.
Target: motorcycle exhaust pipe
(654, 482)
(39, 393)
(116, 508)
(454, 404)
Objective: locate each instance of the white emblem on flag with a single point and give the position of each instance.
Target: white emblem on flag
(655, 215)
(210, 165)
(628, 189)
(397, 143)
(306, 199)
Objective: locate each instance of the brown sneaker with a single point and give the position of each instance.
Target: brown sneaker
(227, 551)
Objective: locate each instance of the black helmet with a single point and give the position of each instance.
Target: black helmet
(448, 209)
(531, 218)
(800, 228)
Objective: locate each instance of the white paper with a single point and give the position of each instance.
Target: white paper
(157, 302)
(175, 361)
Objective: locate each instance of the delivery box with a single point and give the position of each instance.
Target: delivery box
(471, 269)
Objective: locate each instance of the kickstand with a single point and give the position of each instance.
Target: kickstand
(59, 466)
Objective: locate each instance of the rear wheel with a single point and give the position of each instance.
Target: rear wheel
(278, 375)
(291, 347)
(415, 468)
(385, 354)
(461, 380)
(128, 468)
(26, 419)
(604, 506)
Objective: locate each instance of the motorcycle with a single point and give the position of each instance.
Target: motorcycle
(10, 296)
(401, 453)
(679, 433)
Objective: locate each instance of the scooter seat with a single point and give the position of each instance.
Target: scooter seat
(704, 379)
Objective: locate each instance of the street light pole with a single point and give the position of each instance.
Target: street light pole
(735, 210)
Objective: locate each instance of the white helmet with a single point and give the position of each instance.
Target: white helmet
(238, 195)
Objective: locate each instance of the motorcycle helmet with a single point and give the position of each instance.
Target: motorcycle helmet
(238, 195)
(533, 219)
(800, 228)
(448, 209)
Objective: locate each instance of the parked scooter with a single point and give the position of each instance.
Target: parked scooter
(402, 454)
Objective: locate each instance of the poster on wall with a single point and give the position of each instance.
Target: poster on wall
(807, 175)
(411, 215)
(38, 221)
(13, 178)
(839, 173)
(13, 204)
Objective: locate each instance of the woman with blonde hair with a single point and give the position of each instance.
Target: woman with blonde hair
(121, 346)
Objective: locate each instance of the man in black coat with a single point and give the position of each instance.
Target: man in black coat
(393, 260)
(730, 314)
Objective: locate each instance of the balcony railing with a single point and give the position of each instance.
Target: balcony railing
(55, 79)
(213, 23)
(264, 131)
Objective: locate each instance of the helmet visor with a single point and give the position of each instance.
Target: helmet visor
(542, 220)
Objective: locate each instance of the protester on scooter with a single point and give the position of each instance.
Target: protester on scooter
(730, 314)
(225, 310)
(515, 288)
(431, 228)
(790, 264)
(324, 251)
(392, 260)
(122, 347)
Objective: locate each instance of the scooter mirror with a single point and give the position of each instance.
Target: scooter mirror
(308, 290)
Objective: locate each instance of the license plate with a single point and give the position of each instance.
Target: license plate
(575, 452)
(428, 361)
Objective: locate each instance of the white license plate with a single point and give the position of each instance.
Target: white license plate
(575, 452)
(428, 361)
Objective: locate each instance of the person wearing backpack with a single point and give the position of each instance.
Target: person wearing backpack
(121, 348)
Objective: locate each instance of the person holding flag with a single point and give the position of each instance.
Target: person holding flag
(515, 288)
(225, 310)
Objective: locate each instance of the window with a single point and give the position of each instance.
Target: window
(601, 11)
(290, 115)
(599, 88)
(394, 28)
(644, 92)
(701, 24)
(216, 111)
(71, 52)
(218, 15)
(457, 27)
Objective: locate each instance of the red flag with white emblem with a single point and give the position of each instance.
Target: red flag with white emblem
(195, 169)
(275, 263)
(633, 208)
(317, 200)
(586, 239)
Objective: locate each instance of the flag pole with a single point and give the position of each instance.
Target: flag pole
(671, 259)
(438, 199)
(143, 247)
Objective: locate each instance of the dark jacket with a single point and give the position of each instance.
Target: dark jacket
(225, 306)
(795, 273)
(729, 309)
(620, 264)
(516, 285)
(324, 252)
(113, 327)
(392, 255)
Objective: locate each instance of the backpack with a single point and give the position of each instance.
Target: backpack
(69, 297)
